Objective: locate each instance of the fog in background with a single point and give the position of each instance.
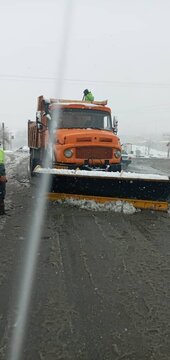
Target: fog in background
(119, 49)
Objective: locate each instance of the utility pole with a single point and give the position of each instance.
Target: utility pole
(3, 136)
(168, 151)
(167, 135)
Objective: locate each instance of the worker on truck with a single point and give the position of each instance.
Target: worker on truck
(88, 96)
(2, 181)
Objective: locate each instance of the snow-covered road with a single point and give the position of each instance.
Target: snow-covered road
(101, 289)
(150, 166)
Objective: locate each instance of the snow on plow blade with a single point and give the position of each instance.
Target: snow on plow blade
(143, 191)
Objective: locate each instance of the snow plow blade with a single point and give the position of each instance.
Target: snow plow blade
(143, 191)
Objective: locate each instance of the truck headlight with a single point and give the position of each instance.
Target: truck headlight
(117, 154)
(68, 153)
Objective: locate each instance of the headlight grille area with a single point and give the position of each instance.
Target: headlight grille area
(68, 153)
(94, 152)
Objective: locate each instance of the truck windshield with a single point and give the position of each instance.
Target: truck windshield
(83, 119)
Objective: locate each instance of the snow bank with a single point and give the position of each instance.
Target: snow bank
(91, 205)
(14, 159)
(145, 153)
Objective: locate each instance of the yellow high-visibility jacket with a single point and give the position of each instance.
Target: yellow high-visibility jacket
(2, 157)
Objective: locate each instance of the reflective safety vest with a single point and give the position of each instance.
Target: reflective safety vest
(2, 156)
(89, 97)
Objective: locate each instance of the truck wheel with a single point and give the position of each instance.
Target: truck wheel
(115, 168)
(124, 166)
(32, 164)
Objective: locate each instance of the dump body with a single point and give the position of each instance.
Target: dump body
(84, 135)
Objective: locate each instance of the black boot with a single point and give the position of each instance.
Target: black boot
(2, 207)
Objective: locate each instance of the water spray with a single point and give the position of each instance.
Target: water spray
(17, 340)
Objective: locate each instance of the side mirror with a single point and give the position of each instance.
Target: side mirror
(46, 107)
(38, 116)
(114, 130)
(48, 116)
(39, 125)
(115, 125)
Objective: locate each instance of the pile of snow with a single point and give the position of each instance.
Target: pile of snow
(144, 152)
(91, 205)
(23, 149)
(8, 151)
(14, 158)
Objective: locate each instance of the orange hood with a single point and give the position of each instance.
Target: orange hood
(74, 136)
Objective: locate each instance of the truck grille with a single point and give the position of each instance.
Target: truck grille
(82, 139)
(93, 152)
(104, 139)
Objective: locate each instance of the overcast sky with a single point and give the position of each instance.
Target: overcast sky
(119, 49)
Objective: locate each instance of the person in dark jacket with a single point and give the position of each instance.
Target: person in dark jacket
(88, 96)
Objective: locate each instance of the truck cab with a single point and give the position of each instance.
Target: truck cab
(84, 135)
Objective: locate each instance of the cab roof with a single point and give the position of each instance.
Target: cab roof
(78, 104)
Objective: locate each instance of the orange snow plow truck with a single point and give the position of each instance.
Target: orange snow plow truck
(74, 144)
(85, 136)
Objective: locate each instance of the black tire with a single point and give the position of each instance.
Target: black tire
(124, 166)
(32, 164)
(34, 160)
(115, 168)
